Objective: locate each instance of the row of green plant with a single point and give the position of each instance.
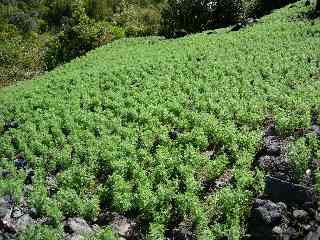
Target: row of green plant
(127, 127)
(36, 36)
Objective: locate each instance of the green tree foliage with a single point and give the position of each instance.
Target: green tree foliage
(199, 15)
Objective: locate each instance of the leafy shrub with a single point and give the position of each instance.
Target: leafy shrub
(71, 204)
(299, 155)
(24, 22)
(192, 16)
(21, 56)
(13, 184)
(199, 15)
(138, 21)
(104, 234)
(156, 232)
(79, 39)
(40, 232)
(226, 209)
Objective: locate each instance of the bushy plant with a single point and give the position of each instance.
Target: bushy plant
(77, 40)
(199, 15)
(299, 155)
(40, 232)
(192, 16)
(138, 21)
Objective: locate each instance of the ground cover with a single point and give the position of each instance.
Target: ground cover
(160, 138)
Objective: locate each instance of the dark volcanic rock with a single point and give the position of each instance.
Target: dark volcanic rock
(279, 190)
(20, 161)
(276, 166)
(180, 33)
(30, 174)
(9, 125)
(268, 212)
(173, 135)
(273, 145)
(266, 216)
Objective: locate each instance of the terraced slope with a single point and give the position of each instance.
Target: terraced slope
(163, 134)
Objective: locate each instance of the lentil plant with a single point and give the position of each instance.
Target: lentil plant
(145, 127)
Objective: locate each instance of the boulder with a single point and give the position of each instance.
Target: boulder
(282, 191)
(23, 222)
(122, 225)
(300, 214)
(10, 124)
(5, 205)
(78, 226)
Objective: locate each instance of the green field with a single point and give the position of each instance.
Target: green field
(128, 128)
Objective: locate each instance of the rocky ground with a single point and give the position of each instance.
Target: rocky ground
(288, 209)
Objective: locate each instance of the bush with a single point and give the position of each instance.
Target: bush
(39, 232)
(299, 155)
(24, 22)
(21, 55)
(199, 15)
(79, 39)
(138, 21)
(192, 16)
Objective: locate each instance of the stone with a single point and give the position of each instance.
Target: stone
(300, 214)
(17, 213)
(224, 179)
(76, 237)
(173, 135)
(307, 227)
(23, 222)
(79, 226)
(20, 163)
(273, 145)
(5, 173)
(314, 235)
(237, 27)
(5, 206)
(29, 177)
(10, 124)
(316, 129)
(122, 225)
(277, 230)
(282, 191)
(268, 213)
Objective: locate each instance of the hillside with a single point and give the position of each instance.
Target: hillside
(160, 134)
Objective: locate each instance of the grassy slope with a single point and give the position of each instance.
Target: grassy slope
(101, 124)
